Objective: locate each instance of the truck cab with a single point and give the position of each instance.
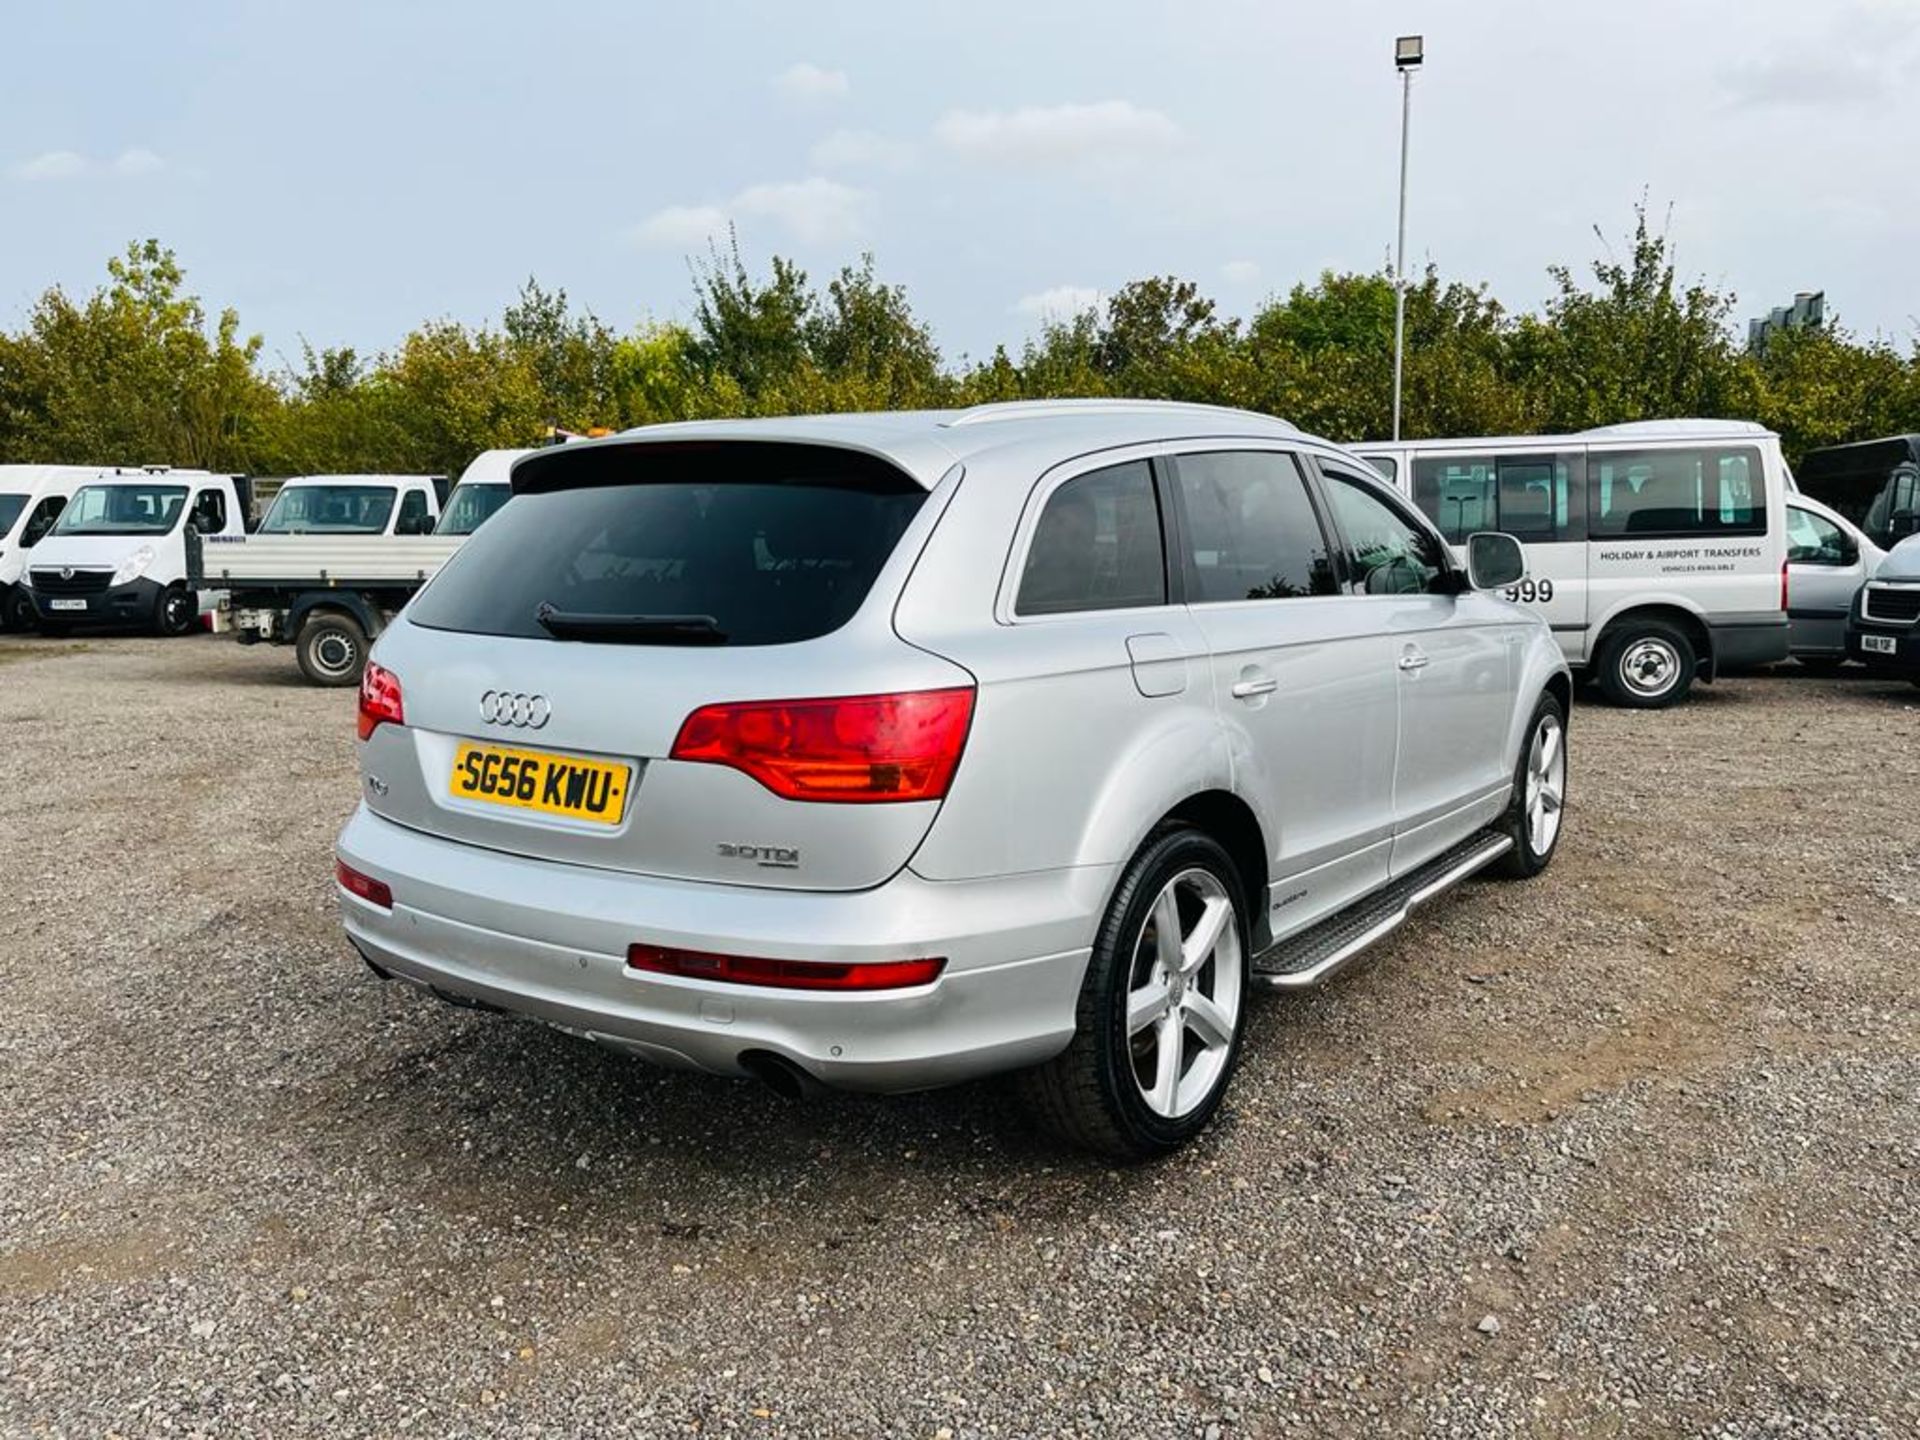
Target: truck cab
(485, 485)
(117, 555)
(354, 505)
(31, 499)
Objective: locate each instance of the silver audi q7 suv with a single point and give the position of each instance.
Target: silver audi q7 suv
(882, 751)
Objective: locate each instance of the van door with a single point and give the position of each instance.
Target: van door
(1825, 571)
(1302, 676)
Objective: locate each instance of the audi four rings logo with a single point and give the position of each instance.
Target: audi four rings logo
(505, 707)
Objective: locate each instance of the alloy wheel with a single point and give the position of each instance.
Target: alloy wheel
(1546, 791)
(1184, 994)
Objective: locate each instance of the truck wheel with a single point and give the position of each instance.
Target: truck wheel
(1162, 1007)
(175, 611)
(17, 612)
(1648, 665)
(331, 649)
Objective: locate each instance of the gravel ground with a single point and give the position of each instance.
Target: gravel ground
(1630, 1149)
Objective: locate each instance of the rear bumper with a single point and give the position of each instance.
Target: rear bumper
(1744, 642)
(550, 940)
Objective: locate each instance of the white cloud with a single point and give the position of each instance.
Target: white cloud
(1062, 302)
(1110, 132)
(810, 84)
(680, 226)
(138, 161)
(1240, 272)
(72, 165)
(815, 211)
(54, 165)
(1858, 55)
(861, 150)
(1808, 80)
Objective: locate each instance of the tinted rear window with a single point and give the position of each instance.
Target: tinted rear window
(771, 558)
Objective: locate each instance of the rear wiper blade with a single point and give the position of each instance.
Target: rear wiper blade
(666, 629)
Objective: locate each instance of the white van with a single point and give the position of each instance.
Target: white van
(118, 553)
(484, 487)
(31, 499)
(355, 505)
(1657, 551)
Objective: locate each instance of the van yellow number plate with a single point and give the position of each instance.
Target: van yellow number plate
(591, 790)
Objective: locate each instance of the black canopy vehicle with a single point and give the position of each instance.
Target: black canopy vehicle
(1875, 484)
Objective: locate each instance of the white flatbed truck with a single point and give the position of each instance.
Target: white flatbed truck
(326, 595)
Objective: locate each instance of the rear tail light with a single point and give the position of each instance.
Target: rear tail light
(379, 699)
(784, 974)
(855, 749)
(374, 892)
(1784, 567)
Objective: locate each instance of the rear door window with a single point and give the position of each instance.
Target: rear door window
(1251, 530)
(762, 550)
(1097, 547)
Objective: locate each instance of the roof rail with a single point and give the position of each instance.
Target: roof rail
(1045, 409)
(1680, 427)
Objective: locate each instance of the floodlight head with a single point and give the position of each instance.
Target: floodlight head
(1409, 51)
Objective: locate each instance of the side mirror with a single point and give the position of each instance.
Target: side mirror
(1494, 561)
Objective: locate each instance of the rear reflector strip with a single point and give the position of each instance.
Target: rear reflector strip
(374, 892)
(784, 974)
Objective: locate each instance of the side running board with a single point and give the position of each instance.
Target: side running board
(1306, 959)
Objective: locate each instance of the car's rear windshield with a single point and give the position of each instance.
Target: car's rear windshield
(674, 548)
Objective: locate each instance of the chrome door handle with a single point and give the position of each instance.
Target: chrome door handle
(1414, 660)
(1246, 689)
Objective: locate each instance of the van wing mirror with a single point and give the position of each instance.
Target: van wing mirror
(1494, 561)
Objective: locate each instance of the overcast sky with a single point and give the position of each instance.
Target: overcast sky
(340, 172)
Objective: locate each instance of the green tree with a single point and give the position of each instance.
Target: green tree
(133, 374)
(1639, 345)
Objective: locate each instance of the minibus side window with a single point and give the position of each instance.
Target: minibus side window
(1676, 494)
(1457, 493)
(1531, 497)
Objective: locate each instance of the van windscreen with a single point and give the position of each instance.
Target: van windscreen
(680, 552)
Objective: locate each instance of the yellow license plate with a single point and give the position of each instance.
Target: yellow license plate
(592, 790)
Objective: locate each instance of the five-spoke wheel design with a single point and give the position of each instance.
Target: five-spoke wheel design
(1184, 994)
(1546, 783)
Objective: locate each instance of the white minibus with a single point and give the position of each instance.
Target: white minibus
(1657, 551)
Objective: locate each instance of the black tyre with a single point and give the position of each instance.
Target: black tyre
(1162, 1008)
(17, 612)
(175, 611)
(331, 649)
(1533, 819)
(1647, 665)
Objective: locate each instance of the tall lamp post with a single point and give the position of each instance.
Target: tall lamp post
(1408, 53)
